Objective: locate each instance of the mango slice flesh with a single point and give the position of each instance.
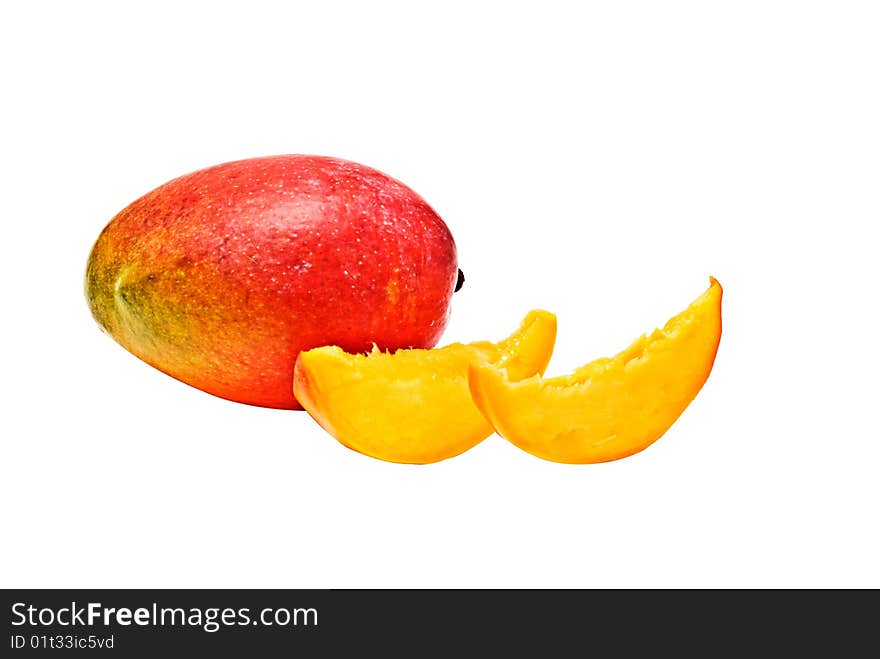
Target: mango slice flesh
(612, 407)
(414, 406)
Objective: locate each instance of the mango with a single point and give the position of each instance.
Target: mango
(221, 277)
(414, 406)
(613, 407)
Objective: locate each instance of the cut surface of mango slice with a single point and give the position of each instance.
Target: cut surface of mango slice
(414, 406)
(612, 407)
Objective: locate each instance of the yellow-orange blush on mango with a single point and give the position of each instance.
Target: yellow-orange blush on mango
(413, 406)
(610, 408)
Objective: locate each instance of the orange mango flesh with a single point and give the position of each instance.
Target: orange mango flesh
(612, 407)
(414, 406)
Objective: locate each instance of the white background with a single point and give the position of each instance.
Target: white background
(599, 160)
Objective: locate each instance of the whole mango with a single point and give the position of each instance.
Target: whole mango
(220, 277)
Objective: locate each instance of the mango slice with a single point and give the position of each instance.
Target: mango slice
(414, 405)
(613, 407)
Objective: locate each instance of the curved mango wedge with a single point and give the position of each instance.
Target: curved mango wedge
(413, 406)
(610, 408)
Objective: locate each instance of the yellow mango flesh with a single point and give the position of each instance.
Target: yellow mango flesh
(612, 407)
(414, 406)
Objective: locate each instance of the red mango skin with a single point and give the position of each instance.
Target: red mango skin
(219, 278)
